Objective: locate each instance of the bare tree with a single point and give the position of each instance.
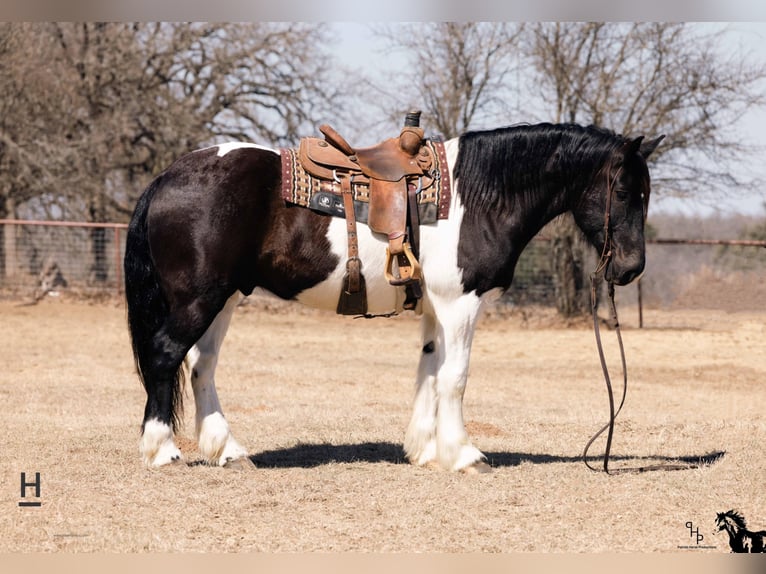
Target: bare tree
(651, 78)
(26, 161)
(458, 73)
(645, 78)
(152, 91)
(90, 111)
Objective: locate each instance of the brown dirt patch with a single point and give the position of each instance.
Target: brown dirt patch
(324, 420)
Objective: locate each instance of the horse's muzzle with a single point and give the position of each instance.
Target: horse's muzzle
(624, 272)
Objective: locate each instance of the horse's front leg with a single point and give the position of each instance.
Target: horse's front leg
(420, 440)
(456, 322)
(216, 443)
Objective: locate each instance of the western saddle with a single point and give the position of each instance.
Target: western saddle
(393, 172)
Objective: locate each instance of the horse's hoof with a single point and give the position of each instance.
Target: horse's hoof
(480, 467)
(175, 462)
(242, 463)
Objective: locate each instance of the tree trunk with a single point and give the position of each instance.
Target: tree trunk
(569, 259)
(10, 258)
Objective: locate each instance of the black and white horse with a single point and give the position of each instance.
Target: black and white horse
(740, 538)
(213, 227)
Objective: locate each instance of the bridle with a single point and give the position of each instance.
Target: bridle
(595, 279)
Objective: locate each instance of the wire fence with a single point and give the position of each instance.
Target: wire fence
(39, 258)
(697, 277)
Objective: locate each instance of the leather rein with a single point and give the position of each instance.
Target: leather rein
(596, 277)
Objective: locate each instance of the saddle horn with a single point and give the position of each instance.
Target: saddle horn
(411, 136)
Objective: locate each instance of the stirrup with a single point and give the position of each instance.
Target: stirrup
(407, 273)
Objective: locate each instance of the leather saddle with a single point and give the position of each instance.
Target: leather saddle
(393, 170)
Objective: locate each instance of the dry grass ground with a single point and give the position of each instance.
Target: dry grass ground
(322, 403)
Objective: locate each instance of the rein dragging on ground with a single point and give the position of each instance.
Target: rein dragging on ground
(594, 281)
(596, 276)
(612, 411)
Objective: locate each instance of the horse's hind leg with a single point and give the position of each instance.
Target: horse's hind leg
(216, 443)
(161, 361)
(161, 380)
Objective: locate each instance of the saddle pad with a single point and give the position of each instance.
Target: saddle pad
(325, 196)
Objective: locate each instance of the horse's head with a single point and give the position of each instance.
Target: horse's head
(612, 211)
(730, 521)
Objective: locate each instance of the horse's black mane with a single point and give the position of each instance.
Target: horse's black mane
(738, 519)
(507, 168)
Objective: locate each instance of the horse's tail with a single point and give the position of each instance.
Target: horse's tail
(146, 303)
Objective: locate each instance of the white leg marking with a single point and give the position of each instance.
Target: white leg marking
(457, 321)
(157, 446)
(420, 440)
(442, 377)
(216, 442)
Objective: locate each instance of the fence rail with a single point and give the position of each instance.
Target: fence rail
(37, 257)
(733, 242)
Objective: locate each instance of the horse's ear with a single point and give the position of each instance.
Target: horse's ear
(632, 146)
(646, 148)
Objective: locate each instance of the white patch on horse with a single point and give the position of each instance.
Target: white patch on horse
(216, 443)
(227, 147)
(381, 296)
(157, 446)
(439, 242)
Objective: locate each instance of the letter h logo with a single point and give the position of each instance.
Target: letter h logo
(25, 485)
